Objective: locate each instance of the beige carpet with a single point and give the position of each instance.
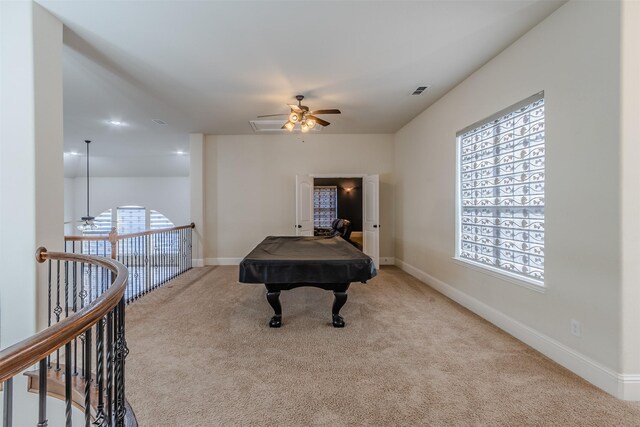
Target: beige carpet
(203, 355)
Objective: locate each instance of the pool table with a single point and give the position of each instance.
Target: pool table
(286, 262)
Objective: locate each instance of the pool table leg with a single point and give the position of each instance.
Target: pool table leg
(274, 300)
(340, 295)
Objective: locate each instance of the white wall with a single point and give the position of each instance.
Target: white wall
(17, 156)
(574, 56)
(31, 171)
(167, 195)
(69, 207)
(250, 184)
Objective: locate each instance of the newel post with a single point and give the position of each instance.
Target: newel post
(113, 239)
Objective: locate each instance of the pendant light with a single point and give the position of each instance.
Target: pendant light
(88, 223)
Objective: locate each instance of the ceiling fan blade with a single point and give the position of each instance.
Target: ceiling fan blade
(333, 111)
(295, 108)
(319, 121)
(274, 115)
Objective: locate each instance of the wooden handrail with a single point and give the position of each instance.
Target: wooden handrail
(126, 236)
(149, 232)
(26, 353)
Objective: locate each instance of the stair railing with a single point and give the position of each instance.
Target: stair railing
(153, 257)
(83, 329)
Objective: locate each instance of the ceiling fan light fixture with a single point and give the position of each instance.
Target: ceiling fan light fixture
(88, 224)
(301, 114)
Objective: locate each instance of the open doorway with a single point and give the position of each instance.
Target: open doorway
(338, 198)
(366, 218)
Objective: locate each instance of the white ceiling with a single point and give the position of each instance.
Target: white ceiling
(211, 66)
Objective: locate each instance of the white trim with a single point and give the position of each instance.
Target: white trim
(622, 386)
(534, 285)
(337, 175)
(222, 261)
(629, 386)
(197, 262)
(458, 218)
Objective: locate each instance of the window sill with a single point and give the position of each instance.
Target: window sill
(502, 275)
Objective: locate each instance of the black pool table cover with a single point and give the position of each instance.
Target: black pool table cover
(301, 259)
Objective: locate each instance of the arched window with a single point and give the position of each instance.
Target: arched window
(157, 250)
(128, 220)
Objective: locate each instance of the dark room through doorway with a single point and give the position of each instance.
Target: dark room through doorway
(338, 198)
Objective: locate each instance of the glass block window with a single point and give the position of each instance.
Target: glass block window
(325, 205)
(501, 165)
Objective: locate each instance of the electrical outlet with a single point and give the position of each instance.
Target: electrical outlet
(575, 328)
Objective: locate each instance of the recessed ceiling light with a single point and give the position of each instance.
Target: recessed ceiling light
(115, 122)
(180, 153)
(73, 153)
(159, 122)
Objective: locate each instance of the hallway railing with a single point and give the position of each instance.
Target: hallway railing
(83, 329)
(152, 257)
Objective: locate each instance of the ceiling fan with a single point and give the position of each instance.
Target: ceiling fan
(301, 114)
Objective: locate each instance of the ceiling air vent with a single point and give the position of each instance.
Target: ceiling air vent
(420, 89)
(159, 122)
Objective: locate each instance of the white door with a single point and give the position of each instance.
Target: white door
(304, 205)
(371, 214)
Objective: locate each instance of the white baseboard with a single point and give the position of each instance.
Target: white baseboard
(197, 262)
(629, 387)
(222, 261)
(622, 386)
